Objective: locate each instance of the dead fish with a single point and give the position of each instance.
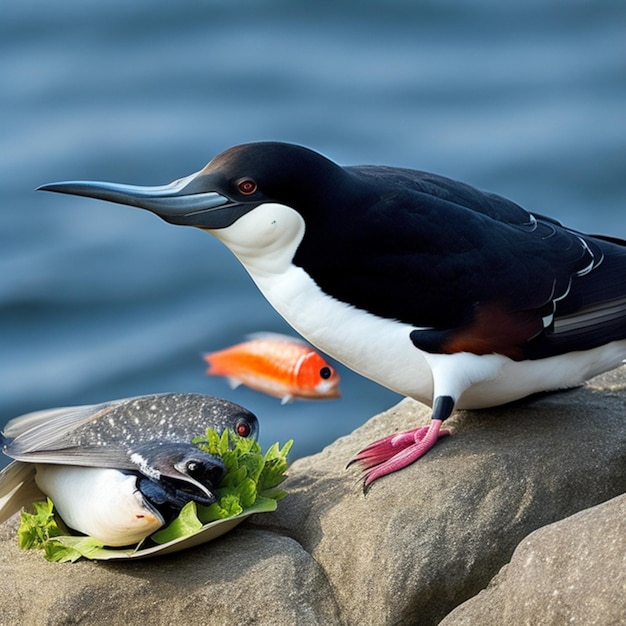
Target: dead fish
(119, 470)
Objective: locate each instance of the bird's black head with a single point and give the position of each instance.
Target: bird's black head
(232, 184)
(272, 172)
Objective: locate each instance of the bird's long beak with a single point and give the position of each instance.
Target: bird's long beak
(210, 495)
(186, 201)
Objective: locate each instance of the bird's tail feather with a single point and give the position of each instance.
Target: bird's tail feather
(17, 488)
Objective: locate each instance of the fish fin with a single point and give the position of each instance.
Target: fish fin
(51, 429)
(286, 399)
(233, 382)
(84, 455)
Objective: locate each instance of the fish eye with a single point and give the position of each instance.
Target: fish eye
(247, 186)
(325, 373)
(243, 428)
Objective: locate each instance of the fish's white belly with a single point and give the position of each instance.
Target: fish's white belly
(102, 503)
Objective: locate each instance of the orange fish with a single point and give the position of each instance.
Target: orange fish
(277, 365)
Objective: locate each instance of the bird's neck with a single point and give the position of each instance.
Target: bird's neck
(265, 240)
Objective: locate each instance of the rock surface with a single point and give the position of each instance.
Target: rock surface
(570, 572)
(422, 542)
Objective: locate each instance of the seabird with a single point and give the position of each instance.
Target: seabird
(456, 297)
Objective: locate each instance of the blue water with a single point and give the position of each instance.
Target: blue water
(526, 98)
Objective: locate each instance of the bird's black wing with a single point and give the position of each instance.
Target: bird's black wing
(472, 270)
(593, 312)
(437, 187)
(49, 436)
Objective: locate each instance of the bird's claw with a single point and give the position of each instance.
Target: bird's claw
(395, 452)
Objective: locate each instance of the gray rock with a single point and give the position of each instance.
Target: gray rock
(420, 543)
(570, 572)
(426, 539)
(250, 576)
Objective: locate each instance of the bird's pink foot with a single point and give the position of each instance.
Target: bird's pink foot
(397, 451)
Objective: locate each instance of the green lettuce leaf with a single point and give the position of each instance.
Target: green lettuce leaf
(251, 478)
(71, 548)
(185, 524)
(37, 528)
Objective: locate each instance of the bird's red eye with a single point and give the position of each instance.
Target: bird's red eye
(243, 429)
(246, 186)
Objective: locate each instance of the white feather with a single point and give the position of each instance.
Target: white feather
(102, 503)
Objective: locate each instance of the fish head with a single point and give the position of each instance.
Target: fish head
(316, 378)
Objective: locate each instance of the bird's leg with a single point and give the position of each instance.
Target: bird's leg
(397, 451)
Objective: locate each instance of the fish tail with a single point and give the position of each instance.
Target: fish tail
(214, 369)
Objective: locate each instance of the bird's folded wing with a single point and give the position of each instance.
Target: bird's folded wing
(21, 424)
(595, 325)
(111, 456)
(50, 429)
